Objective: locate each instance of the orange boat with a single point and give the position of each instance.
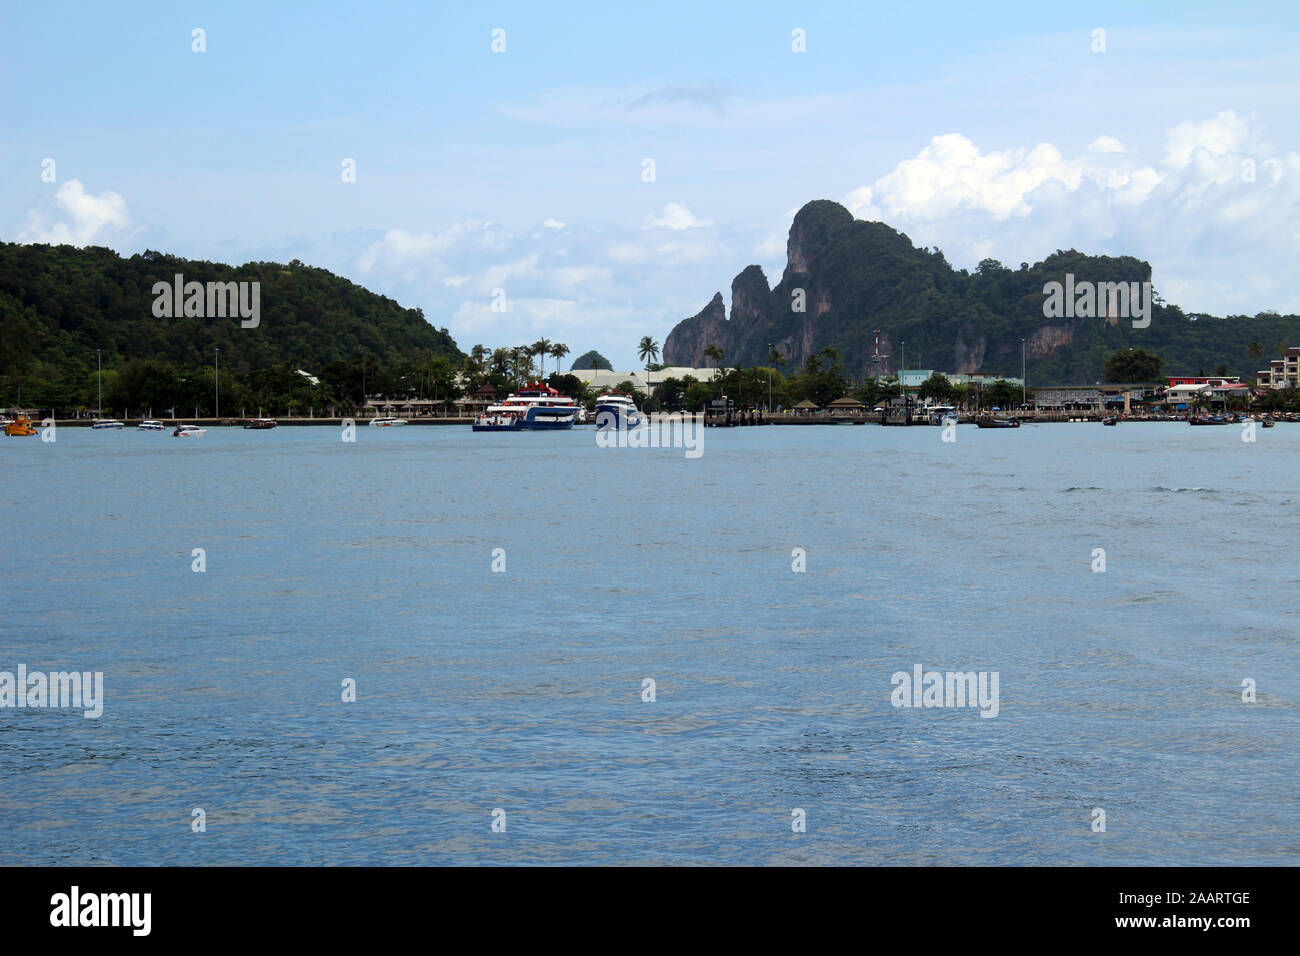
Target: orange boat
(19, 426)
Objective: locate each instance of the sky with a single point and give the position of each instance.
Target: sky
(522, 174)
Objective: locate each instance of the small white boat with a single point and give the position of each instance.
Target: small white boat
(387, 422)
(107, 423)
(189, 431)
(151, 426)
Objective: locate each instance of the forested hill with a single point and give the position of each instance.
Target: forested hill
(59, 304)
(853, 277)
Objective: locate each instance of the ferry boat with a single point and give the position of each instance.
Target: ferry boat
(151, 426)
(189, 431)
(535, 407)
(617, 410)
(107, 423)
(386, 422)
(18, 427)
(260, 424)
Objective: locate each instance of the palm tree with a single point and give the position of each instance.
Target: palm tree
(521, 363)
(715, 353)
(541, 348)
(775, 358)
(831, 355)
(1256, 350)
(558, 351)
(500, 359)
(648, 350)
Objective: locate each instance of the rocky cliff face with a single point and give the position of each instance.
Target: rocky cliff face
(846, 280)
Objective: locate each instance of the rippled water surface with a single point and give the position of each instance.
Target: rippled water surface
(522, 690)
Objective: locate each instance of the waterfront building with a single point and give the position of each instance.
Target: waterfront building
(1281, 373)
(604, 380)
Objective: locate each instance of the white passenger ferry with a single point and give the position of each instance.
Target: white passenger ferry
(535, 407)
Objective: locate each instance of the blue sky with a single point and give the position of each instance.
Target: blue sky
(983, 129)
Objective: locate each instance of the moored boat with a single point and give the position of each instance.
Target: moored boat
(1110, 420)
(260, 424)
(385, 422)
(617, 410)
(19, 427)
(998, 423)
(106, 423)
(149, 425)
(1267, 423)
(1207, 420)
(535, 407)
(189, 431)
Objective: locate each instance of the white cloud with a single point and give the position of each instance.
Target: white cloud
(1106, 144)
(553, 224)
(677, 217)
(88, 216)
(1197, 200)
(951, 173)
(455, 282)
(1224, 134)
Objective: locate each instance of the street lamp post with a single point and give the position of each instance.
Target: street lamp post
(99, 369)
(769, 380)
(216, 367)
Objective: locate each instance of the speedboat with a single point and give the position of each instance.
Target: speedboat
(260, 424)
(386, 422)
(617, 410)
(535, 407)
(1267, 423)
(189, 431)
(1110, 421)
(150, 426)
(107, 423)
(998, 423)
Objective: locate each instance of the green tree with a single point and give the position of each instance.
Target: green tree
(937, 388)
(648, 349)
(541, 348)
(1133, 365)
(558, 351)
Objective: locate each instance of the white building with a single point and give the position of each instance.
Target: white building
(643, 381)
(1281, 373)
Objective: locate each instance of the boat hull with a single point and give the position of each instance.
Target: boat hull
(617, 416)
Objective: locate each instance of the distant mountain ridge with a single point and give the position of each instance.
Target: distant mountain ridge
(853, 277)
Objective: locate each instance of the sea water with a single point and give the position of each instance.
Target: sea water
(566, 653)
